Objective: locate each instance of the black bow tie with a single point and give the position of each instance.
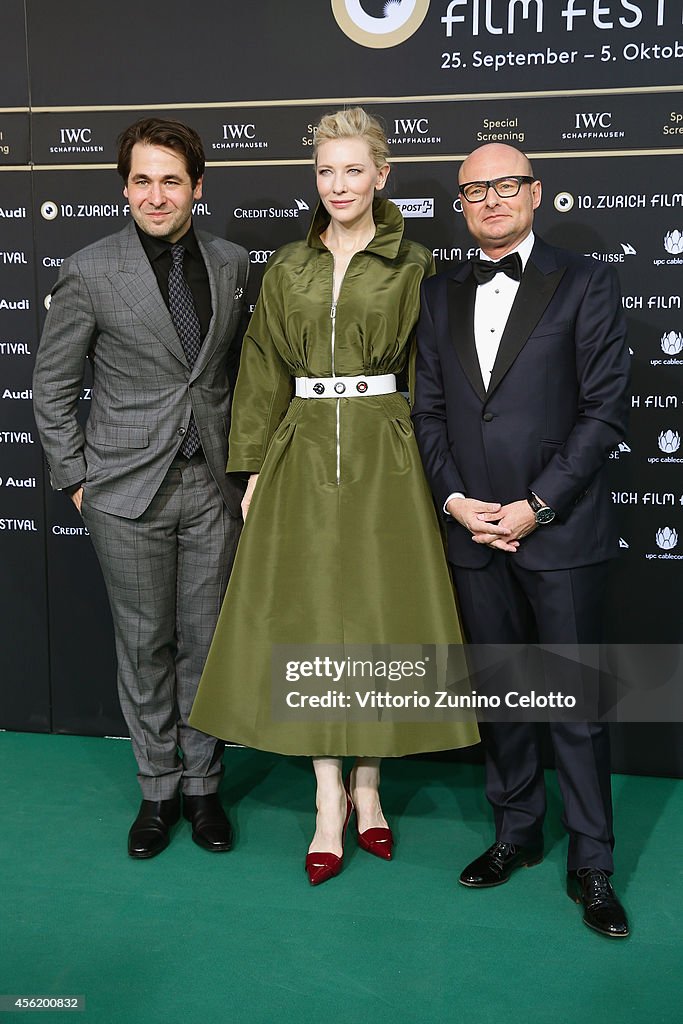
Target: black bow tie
(484, 270)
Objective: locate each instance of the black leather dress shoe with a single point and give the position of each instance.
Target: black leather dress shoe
(497, 864)
(602, 910)
(150, 832)
(210, 826)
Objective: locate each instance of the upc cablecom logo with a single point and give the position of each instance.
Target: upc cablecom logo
(379, 23)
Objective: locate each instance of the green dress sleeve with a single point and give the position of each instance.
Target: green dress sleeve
(264, 385)
(412, 345)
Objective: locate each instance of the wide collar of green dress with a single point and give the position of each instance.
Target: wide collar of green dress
(388, 223)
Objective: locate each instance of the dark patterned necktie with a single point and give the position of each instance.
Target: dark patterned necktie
(186, 322)
(485, 270)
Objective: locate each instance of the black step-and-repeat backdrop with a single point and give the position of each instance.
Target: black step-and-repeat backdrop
(589, 88)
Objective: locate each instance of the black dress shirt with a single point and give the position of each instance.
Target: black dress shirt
(158, 252)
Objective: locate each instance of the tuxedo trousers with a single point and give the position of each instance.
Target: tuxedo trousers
(166, 573)
(503, 603)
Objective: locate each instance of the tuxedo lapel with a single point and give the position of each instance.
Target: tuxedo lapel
(535, 291)
(461, 296)
(137, 287)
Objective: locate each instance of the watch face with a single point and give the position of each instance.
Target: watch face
(544, 515)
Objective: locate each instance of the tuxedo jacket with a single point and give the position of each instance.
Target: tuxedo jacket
(555, 407)
(106, 306)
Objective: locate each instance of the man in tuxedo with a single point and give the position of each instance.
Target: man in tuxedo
(521, 393)
(156, 309)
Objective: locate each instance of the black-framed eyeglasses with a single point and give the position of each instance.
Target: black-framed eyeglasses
(506, 187)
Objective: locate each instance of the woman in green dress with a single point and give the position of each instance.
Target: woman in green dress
(341, 544)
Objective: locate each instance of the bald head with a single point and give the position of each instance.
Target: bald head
(497, 155)
(499, 223)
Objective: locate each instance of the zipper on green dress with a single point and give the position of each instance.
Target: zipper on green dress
(333, 318)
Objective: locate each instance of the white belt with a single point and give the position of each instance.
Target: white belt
(345, 387)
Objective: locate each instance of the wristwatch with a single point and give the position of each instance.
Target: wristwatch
(543, 513)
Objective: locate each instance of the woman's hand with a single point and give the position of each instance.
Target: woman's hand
(248, 495)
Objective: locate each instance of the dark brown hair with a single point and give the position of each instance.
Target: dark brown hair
(154, 131)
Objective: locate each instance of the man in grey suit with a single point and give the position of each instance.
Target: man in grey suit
(156, 309)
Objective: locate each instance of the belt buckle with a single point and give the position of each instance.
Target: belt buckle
(319, 388)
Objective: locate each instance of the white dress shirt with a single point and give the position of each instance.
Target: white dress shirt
(492, 306)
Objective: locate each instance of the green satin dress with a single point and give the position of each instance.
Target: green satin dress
(341, 545)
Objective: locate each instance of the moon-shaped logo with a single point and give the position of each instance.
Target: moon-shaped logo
(400, 20)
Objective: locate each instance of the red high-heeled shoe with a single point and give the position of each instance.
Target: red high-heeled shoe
(322, 866)
(378, 841)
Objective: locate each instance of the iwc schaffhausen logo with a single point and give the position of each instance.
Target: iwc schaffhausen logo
(393, 23)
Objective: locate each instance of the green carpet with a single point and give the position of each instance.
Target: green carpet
(241, 937)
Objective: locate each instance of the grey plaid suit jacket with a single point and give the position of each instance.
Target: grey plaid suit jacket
(106, 306)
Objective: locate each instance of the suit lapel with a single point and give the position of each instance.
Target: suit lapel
(535, 291)
(222, 283)
(461, 296)
(137, 287)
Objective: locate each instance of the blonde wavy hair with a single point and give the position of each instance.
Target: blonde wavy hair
(353, 123)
